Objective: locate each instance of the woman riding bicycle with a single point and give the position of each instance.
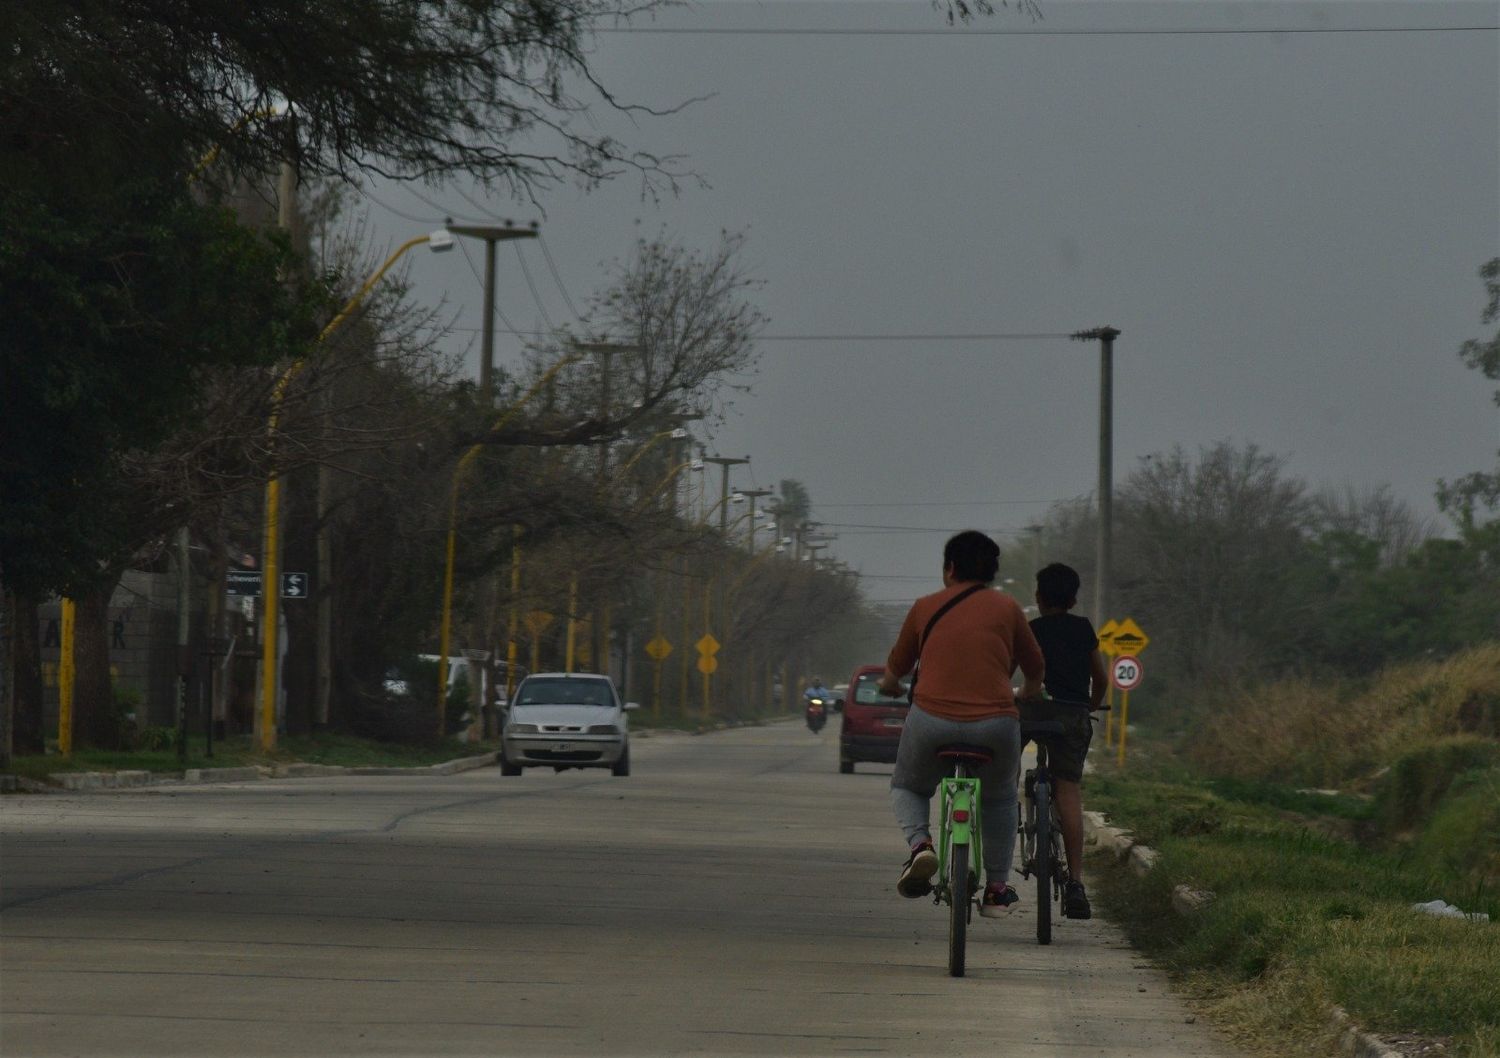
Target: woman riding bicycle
(969, 640)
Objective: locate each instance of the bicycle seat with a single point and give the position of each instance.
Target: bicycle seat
(975, 755)
(1033, 728)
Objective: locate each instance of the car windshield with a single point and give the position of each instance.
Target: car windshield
(867, 692)
(564, 691)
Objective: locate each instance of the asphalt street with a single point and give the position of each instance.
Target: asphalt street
(734, 896)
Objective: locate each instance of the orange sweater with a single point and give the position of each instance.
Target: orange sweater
(967, 663)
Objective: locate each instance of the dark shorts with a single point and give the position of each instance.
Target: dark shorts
(1065, 752)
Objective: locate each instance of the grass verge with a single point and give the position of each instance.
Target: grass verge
(345, 750)
(1302, 919)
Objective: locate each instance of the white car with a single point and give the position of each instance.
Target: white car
(566, 720)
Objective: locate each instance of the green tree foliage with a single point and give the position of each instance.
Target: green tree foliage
(109, 313)
(1240, 574)
(414, 90)
(1480, 490)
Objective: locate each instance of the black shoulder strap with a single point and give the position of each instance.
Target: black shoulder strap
(911, 690)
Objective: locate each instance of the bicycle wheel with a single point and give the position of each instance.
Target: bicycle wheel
(1043, 864)
(958, 908)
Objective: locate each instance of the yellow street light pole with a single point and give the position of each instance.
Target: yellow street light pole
(440, 241)
(464, 463)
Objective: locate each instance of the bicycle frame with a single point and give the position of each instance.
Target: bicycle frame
(960, 815)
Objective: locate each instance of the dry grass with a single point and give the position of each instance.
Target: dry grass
(1306, 733)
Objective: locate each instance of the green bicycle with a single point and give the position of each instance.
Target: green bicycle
(959, 849)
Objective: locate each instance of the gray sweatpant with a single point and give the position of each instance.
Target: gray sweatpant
(919, 770)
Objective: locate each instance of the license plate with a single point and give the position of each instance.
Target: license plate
(893, 721)
(563, 747)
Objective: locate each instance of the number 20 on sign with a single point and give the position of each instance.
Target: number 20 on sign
(1125, 673)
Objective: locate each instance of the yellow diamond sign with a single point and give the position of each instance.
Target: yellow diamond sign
(1107, 637)
(1129, 639)
(659, 647)
(537, 621)
(708, 646)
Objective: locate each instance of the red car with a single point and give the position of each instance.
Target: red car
(872, 724)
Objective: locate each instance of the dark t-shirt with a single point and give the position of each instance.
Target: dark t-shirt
(1068, 643)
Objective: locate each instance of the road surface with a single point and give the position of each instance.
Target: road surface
(734, 896)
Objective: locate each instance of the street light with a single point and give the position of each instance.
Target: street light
(439, 241)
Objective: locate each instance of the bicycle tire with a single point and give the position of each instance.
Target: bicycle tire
(958, 909)
(1043, 863)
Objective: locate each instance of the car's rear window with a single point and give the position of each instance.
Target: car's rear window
(867, 691)
(563, 691)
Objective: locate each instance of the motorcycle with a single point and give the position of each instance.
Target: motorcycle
(817, 714)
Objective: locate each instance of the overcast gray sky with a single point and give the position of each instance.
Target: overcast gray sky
(1286, 228)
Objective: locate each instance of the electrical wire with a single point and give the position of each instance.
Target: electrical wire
(392, 209)
(751, 31)
(532, 284)
(552, 265)
(480, 280)
(976, 336)
(938, 503)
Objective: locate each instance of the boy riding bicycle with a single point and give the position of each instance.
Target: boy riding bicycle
(969, 639)
(1075, 683)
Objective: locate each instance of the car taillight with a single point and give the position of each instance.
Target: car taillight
(960, 815)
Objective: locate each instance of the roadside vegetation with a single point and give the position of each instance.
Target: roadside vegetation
(1317, 815)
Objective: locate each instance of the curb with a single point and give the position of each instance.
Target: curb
(87, 781)
(1353, 1042)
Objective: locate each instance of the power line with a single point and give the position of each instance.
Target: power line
(939, 503)
(478, 279)
(532, 284)
(551, 264)
(957, 336)
(392, 209)
(750, 31)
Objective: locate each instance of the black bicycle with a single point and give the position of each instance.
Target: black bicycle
(1042, 855)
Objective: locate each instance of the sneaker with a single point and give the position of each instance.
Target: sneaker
(1076, 901)
(921, 865)
(997, 900)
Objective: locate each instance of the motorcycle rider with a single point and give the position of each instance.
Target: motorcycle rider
(818, 702)
(817, 690)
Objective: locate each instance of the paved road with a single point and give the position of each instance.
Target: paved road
(734, 896)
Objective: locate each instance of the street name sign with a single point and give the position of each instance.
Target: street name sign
(242, 582)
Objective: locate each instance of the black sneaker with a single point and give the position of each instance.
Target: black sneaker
(1076, 901)
(997, 900)
(916, 876)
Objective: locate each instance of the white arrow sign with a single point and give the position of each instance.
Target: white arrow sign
(294, 586)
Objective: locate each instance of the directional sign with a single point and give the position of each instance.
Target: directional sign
(1128, 638)
(708, 646)
(1126, 672)
(708, 664)
(242, 582)
(537, 621)
(1107, 637)
(659, 647)
(295, 585)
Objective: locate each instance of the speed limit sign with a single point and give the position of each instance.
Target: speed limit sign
(1126, 672)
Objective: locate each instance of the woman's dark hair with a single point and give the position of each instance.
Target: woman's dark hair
(1057, 586)
(973, 556)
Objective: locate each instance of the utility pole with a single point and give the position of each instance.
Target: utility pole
(184, 658)
(1106, 337)
(752, 495)
(491, 234)
(724, 463)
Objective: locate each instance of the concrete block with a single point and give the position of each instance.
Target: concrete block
(1354, 1042)
(308, 771)
(1186, 900)
(221, 774)
(78, 780)
(1142, 858)
(462, 764)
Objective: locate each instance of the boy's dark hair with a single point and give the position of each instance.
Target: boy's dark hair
(1057, 586)
(973, 556)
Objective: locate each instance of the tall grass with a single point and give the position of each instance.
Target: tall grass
(1304, 732)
